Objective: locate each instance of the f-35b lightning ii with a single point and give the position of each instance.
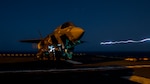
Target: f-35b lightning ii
(60, 43)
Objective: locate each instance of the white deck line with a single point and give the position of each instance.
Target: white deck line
(73, 62)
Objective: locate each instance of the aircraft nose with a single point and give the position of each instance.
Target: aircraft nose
(77, 32)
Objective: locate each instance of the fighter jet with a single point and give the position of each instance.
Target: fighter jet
(60, 43)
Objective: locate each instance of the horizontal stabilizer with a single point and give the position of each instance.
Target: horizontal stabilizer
(31, 41)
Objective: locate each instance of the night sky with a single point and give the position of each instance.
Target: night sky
(102, 20)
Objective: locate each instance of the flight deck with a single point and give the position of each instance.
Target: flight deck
(82, 68)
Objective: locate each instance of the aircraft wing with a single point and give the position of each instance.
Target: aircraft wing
(31, 41)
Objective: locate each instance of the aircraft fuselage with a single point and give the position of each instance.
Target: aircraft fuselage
(66, 35)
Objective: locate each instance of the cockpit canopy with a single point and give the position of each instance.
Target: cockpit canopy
(67, 24)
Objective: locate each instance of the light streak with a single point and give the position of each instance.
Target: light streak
(127, 41)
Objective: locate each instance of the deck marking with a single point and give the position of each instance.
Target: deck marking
(137, 79)
(73, 62)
